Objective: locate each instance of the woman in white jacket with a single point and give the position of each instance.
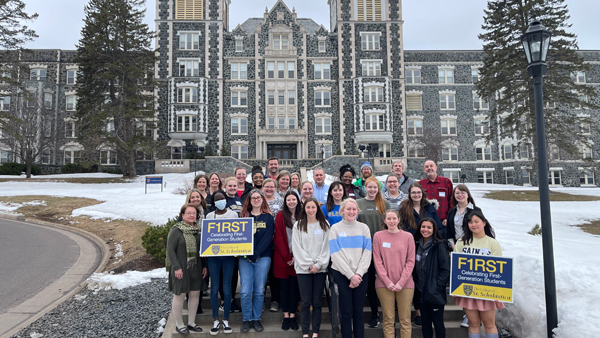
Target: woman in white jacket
(310, 244)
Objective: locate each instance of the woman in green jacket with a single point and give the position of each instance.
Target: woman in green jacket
(185, 267)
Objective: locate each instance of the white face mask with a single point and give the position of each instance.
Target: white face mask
(221, 204)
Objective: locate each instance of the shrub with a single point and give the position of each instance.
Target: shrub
(76, 168)
(536, 230)
(12, 168)
(154, 239)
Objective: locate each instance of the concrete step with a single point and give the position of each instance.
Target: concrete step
(453, 330)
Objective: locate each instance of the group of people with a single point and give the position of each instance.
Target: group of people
(385, 241)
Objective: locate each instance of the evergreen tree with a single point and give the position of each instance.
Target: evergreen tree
(115, 84)
(507, 84)
(14, 34)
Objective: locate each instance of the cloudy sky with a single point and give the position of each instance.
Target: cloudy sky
(428, 24)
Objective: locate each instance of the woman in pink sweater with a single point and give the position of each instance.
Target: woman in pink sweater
(394, 257)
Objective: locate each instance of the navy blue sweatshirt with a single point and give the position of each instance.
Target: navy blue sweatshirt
(263, 237)
(233, 203)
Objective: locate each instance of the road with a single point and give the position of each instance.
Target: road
(39, 265)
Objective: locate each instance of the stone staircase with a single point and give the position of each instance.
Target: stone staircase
(272, 323)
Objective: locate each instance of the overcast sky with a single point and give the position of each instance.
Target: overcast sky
(428, 24)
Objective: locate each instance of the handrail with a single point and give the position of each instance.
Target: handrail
(334, 306)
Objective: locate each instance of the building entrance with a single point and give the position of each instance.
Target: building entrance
(282, 151)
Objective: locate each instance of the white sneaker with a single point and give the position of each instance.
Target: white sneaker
(226, 327)
(215, 329)
(465, 322)
(221, 307)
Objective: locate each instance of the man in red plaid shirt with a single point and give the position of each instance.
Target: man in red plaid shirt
(439, 188)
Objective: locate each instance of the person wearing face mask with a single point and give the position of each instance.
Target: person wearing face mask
(221, 270)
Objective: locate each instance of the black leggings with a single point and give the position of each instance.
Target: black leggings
(352, 302)
(311, 293)
(429, 316)
(371, 293)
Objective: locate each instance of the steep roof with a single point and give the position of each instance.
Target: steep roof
(250, 24)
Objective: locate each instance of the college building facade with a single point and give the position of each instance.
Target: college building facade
(281, 85)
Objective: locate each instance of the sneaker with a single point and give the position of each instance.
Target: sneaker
(215, 329)
(226, 327)
(293, 324)
(418, 320)
(374, 321)
(258, 326)
(285, 325)
(245, 326)
(274, 306)
(465, 321)
(235, 307)
(222, 307)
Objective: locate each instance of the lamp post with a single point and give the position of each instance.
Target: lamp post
(536, 42)
(322, 154)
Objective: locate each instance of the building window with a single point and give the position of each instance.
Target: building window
(45, 157)
(239, 45)
(454, 176)
(240, 152)
(585, 128)
(322, 46)
(448, 126)
(385, 150)
(281, 124)
(239, 125)
(47, 100)
(291, 97)
(510, 176)
(414, 102)
(292, 123)
(71, 102)
(31, 99)
(271, 124)
(281, 97)
(524, 151)
(5, 103)
(474, 75)
(71, 129)
(108, 157)
(189, 10)
(280, 42)
(187, 95)
(187, 123)
(554, 177)
(416, 151)
(584, 99)
(578, 77)
(322, 98)
(371, 68)
(323, 125)
(322, 71)
(479, 103)
(415, 127)
(484, 153)
(271, 97)
(486, 177)
(482, 127)
(281, 70)
(446, 76)
(586, 152)
(370, 41)
(239, 71)
(71, 77)
(586, 177)
(374, 122)
(554, 153)
(373, 94)
(324, 150)
(508, 151)
(189, 68)
(413, 76)
(239, 98)
(38, 74)
(368, 10)
(447, 102)
(271, 70)
(189, 41)
(291, 72)
(526, 177)
(72, 156)
(450, 154)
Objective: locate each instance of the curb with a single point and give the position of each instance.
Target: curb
(96, 241)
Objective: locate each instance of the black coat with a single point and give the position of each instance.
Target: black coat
(450, 231)
(247, 188)
(436, 274)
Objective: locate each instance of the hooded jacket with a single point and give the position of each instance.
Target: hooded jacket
(436, 273)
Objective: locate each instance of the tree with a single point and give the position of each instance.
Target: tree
(431, 145)
(14, 34)
(506, 83)
(116, 85)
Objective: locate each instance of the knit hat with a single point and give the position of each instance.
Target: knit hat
(366, 165)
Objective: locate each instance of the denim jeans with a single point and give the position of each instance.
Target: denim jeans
(253, 277)
(215, 264)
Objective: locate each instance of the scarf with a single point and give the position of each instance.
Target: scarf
(190, 244)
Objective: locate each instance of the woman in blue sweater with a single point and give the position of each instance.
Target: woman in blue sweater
(254, 268)
(331, 209)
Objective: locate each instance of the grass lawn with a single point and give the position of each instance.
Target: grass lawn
(533, 195)
(591, 228)
(59, 210)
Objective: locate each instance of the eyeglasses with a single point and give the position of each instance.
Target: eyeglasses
(191, 213)
(416, 193)
(392, 182)
(257, 198)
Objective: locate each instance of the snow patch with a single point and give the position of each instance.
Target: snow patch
(107, 281)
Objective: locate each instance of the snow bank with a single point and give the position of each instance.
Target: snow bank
(107, 281)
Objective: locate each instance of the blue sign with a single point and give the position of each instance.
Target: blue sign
(227, 237)
(481, 277)
(154, 180)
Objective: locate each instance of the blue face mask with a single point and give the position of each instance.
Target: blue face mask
(221, 204)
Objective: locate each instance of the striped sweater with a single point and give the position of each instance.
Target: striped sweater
(350, 247)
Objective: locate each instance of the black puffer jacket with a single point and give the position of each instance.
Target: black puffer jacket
(436, 274)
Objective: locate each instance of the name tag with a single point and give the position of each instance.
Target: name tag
(238, 202)
(485, 251)
(456, 218)
(418, 257)
(342, 234)
(442, 194)
(318, 231)
(387, 245)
